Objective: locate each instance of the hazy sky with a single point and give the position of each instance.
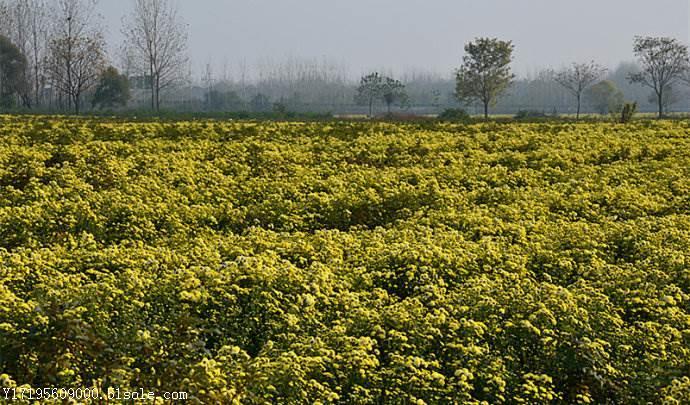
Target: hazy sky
(416, 34)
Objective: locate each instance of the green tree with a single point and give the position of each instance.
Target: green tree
(370, 89)
(485, 73)
(578, 77)
(393, 91)
(604, 97)
(663, 60)
(112, 89)
(76, 54)
(12, 72)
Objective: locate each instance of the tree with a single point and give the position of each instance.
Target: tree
(260, 103)
(37, 22)
(25, 23)
(158, 38)
(663, 61)
(76, 55)
(112, 89)
(605, 97)
(578, 77)
(485, 74)
(670, 97)
(393, 91)
(370, 89)
(12, 72)
(218, 100)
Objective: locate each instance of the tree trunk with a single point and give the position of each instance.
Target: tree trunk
(151, 84)
(158, 94)
(660, 96)
(37, 86)
(577, 115)
(486, 110)
(371, 106)
(76, 103)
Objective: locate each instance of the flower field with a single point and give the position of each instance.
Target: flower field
(348, 262)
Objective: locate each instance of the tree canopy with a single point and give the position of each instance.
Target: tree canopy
(664, 61)
(12, 72)
(376, 87)
(578, 77)
(605, 97)
(112, 89)
(485, 73)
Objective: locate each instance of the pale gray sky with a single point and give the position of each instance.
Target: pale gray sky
(416, 34)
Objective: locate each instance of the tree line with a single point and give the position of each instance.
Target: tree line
(53, 53)
(53, 57)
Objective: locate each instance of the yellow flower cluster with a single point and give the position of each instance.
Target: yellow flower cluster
(266, 262)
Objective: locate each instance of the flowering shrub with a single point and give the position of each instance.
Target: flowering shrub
(252, 262)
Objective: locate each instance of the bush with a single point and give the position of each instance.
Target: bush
(346, 261)
(454, 114)
(529, 114)
(401, 117)
(628, 111)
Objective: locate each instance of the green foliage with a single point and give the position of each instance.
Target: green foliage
(13, 66)
(347, 262)
(485, 73)
(393, 91)
(375, 87)
(628, 112)
(370, 89)
(605, 97)
(112, 89)
(530, 114)
(454, 114)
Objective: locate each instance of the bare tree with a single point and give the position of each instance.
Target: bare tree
(158, 37)
(578, 77)
(209, 82)
(76, 54)
(37, 44)
(664, 61)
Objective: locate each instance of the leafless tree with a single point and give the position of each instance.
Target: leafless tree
(209, 82)
(158, 37)
(37, 44)
(664, 61)
(578, 77)
(76, 53)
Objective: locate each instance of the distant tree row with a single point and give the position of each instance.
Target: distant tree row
(53, 57)
(485, 74)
